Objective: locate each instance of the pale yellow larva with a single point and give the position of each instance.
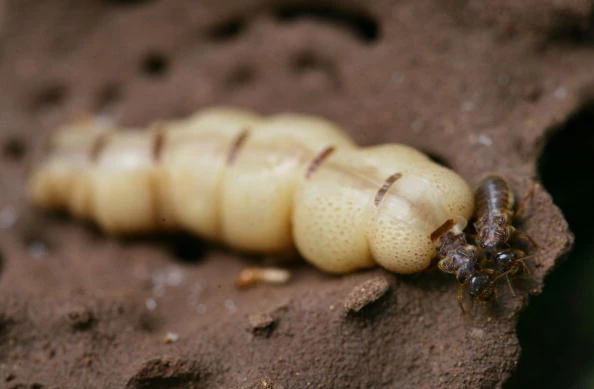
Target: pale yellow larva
(257, 184)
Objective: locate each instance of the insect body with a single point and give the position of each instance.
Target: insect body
(457, 256)
(258, 184)
(495, 211)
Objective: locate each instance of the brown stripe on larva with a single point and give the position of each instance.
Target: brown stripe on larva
(445, 227)
(236, 145)
(98, 146)
(317, 161)
(158, 143)
(385, 187)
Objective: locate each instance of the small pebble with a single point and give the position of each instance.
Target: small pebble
(263, 383)
(80, 318)
(366, 294)
(270, 275)
(477, 333)
(151, 304)
(261, 323)
(171, 337)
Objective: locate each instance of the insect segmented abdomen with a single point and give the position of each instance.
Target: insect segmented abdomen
(494, 200)
(494, 196)
(259, 184)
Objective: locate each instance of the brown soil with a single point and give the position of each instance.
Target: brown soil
(474, 85)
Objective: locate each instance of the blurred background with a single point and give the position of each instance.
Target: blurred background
(557, 329)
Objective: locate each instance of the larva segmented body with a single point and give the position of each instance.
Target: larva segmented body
(258, 184)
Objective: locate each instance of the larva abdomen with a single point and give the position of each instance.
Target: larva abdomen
(339, 203)
(261, 185)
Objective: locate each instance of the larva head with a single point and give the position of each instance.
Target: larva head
(413, 207)
(398, 238)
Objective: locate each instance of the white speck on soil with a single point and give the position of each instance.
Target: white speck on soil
(151, 304)
(230, 306)
(8, 217)
(37, 249)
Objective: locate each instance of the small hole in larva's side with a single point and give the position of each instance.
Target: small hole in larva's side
(226, 31)
(49, 97)
(361, 25)
(14, 148)
(553, 353)
(154, 65)
(239, 77)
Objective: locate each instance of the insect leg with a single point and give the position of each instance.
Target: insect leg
(460, 297)
(511, 288)
(521, 208)
(523, 237)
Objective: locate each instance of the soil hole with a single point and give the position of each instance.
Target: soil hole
(108, 97)
(557, 329)
(154, 65)
(362, 26)
(310, 64)
(239, 77)
(14, 149)
(226, 31)
(51, 96)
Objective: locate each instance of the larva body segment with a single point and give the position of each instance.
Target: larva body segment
(261, 185)
(257, 197)
(193, 163)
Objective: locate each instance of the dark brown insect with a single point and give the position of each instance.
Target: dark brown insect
(495, 213)
(457, 256)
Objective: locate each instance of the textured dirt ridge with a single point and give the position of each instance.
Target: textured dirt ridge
(476, 86)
